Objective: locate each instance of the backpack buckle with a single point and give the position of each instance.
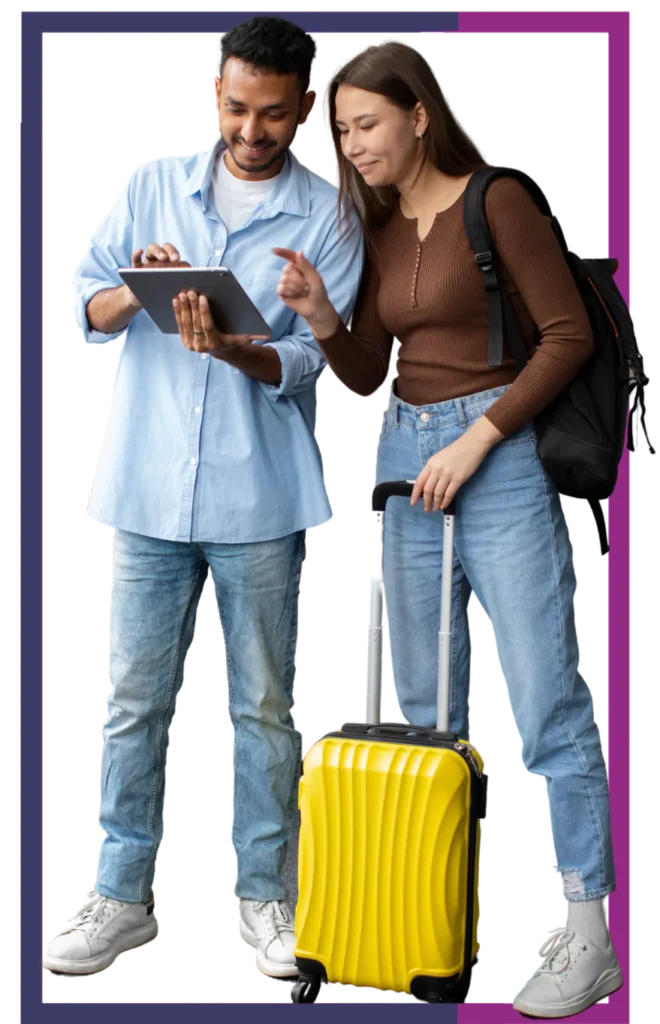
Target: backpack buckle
(484, 260)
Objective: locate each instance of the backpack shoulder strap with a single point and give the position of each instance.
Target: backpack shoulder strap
(475, 200)
(500, 315)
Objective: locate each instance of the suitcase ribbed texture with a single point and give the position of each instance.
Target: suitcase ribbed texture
(383, 855)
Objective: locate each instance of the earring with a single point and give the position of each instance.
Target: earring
(420, 135)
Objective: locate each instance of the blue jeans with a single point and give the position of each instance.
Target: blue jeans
(156, 590)
(512, 548)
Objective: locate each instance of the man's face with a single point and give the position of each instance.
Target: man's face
(259, 114)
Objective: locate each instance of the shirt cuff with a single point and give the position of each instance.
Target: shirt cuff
(293, 368)
(90, 334)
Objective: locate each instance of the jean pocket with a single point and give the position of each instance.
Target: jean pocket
(386, 427)
(526, 433)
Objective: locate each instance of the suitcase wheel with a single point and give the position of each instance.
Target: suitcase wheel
(306, 991)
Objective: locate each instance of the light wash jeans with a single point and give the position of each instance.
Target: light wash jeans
(156, 590)
(512, 548)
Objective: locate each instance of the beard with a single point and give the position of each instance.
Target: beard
(271, 156)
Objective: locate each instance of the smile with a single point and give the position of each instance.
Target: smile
(254, 149)
(365, 167)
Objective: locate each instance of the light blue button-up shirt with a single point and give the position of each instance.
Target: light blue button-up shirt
(195, 450)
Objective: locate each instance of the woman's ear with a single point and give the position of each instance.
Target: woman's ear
(421, 119)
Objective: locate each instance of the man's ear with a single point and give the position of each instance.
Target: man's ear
(308, 104)
(218, 92)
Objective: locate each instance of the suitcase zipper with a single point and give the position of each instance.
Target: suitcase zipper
(479, 780)
(467, 751)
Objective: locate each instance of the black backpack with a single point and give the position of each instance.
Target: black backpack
(581, 434)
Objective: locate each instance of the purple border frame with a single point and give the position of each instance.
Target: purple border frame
(616, 26)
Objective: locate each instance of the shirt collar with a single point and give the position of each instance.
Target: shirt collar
(290, 194)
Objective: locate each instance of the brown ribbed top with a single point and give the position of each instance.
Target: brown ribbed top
(430, 295)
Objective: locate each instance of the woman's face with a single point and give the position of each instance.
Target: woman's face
(378, 137)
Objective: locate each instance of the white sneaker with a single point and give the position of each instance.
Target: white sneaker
(574, 975)
(98, 933)
(269, 928)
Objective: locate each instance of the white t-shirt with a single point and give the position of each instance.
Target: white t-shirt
(234, 198)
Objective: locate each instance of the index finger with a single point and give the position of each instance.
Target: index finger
(171, 251)
(419, 485)
(287, 254)
(243, 339)
(155, 253)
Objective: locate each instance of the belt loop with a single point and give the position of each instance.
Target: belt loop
(396, 411)
(462, 419)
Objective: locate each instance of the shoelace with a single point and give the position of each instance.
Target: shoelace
(91, 913)
(556, 951)
(274, 916)
(91, 895)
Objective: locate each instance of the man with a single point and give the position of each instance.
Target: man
(210, 462)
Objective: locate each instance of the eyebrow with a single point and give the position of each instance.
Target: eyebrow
(270, 106)
(358, 118)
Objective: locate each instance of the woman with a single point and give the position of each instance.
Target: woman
(463, 428)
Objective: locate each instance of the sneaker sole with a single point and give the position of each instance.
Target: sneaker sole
(138, 937)
(266, 966)
(608, 983)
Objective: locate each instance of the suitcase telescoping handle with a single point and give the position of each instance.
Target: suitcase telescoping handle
(382, 492)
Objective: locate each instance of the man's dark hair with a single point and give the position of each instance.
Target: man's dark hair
(271, 44)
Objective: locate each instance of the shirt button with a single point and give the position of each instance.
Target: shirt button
(205, 355)
(193, 462)
(218, 252)
(425, 417)
(198, 408)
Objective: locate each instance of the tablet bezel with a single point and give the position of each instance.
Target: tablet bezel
(231, 307)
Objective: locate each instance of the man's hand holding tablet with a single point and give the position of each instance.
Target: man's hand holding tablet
(191, 309)
(199, 333)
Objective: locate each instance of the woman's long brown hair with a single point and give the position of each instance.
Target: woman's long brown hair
(401, 74)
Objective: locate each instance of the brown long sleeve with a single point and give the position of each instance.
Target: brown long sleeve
(361, 357)
(430, 295)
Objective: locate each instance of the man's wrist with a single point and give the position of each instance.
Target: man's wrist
(225, 352)
(261, 362)
(129, 298)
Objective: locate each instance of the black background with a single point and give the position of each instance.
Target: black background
(532, 102)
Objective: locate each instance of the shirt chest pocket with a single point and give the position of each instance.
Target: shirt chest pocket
(260, 284)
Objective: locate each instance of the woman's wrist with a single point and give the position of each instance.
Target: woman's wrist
(485, 434)
(325, 322)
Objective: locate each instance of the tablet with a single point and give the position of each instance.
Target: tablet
(232, 310)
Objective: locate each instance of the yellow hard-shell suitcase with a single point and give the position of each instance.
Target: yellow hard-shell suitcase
(389, 839)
